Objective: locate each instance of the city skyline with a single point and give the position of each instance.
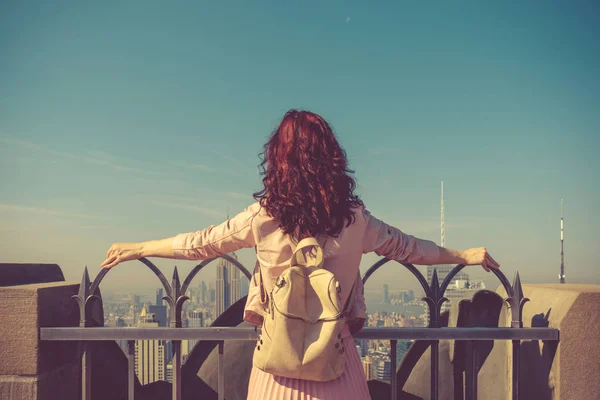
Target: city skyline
(114, 136)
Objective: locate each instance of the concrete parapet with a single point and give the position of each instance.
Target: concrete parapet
(25, 309)
(569, 370)
(548, 370)
(60, 383)
(24, 274)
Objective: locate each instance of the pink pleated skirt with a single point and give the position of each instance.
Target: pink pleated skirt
(351, 385)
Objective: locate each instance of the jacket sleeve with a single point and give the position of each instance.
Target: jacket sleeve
(388, 241)
(231, 235)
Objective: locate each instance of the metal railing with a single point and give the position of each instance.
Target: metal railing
(175, 297)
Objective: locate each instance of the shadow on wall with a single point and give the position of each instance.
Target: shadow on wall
(536, 379)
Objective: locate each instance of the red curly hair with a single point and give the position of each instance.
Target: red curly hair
(307, 183)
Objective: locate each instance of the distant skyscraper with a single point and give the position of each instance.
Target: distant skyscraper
(135, 307)
(382, 369)
(561, 276)
(203, 292)
(222, 295)
(244, 287)
(160, 314)
(368, 367)
(234, 282)
(227, 285)
(386, 294)
(150, 360)
(159, 297)
(195, 320)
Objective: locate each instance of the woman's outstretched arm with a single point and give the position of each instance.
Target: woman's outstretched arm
(121, 252)
(231, 235)
(388, 241)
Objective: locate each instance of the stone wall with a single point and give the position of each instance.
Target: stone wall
(30, 368)
(548, 370)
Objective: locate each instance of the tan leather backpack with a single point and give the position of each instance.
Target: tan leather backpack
(301, 333)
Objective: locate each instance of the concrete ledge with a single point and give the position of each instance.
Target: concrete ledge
(568, 370)
(56, 384)
(23, 274)
(25, 308)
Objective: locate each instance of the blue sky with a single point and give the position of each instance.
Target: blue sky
(130, 121)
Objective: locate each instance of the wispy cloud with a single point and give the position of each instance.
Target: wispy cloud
(19, 208)
(203, 167)
(240, 196)
(233, 166)
(348, 19)
(198, 209)
(90, 157)
(375, 151)
(229, 158)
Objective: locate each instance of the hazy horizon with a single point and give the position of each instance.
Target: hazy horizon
(139, 121)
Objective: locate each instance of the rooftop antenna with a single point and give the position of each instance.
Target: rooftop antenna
(443, 243)
(561, 276)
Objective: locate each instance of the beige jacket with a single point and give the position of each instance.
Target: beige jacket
(253, 227)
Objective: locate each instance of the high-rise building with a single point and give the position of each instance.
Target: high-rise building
(368, 367)
(135, 307)
(234, 282)
(244, 287)
(160, 314)
(363, 346)
(169, 372)
(120, 323)
(386, 294)
(211, 294)
(159, 297)
(222, 295)
(196, 320)
(150, 360)
(203, 292)
(227, 285)
(382, 368)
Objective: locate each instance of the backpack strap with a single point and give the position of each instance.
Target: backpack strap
(316, 261)
(258, 272)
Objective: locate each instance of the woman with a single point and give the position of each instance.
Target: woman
(308, 191)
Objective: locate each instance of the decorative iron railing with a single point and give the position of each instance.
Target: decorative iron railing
(175, 298)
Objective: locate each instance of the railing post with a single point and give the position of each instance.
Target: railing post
(435, 363)
(516, 300)
(130, 369)
(221, 366)
(176, 369)
(471, 371)
(175, 299)
(393, 344)
(516, 349)
(86, 371)
(435, 298)
(82, 298)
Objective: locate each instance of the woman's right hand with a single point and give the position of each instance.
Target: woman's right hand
(480, 256)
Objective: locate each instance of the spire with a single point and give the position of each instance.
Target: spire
(443, 223)
(561, 276)
(144, 311)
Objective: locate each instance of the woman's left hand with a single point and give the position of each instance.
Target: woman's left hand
(121, 252)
